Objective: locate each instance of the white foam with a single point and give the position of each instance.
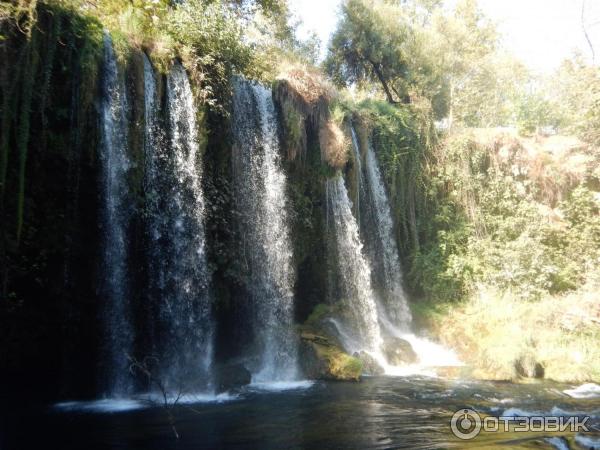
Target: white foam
(430, 356)
(279, 386)
(408, 370)
(588, 390)
(106, 405)
(588, 442)
(558, 443)
(187, 399)
(554, 412)
(149, 400)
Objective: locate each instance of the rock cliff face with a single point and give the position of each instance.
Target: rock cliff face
(53, 231)
(51, 265)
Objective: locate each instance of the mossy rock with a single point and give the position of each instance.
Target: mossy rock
(323, 359)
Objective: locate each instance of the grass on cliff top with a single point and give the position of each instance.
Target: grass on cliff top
(491, 331)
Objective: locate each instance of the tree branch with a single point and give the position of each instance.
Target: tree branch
(382, 80)
(587, 37)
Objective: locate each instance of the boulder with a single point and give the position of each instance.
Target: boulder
(322, 358)
(231, 376)
(398, 352)
(370, 364)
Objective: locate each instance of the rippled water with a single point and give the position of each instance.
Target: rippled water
(387, 412)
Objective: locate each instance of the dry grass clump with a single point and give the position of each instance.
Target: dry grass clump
(306, 92)
(491, 332)
(553, 164)
(304, 97)
(308, 84)
(334, 144)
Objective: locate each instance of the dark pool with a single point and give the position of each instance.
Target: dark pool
(378, 413)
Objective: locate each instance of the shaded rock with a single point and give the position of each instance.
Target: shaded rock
(398, 351)
(231, 376)
(323, 359)
(370, 365)
(527, 367)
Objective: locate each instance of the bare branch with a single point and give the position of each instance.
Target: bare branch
(583, 27)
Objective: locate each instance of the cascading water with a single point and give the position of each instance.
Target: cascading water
(261, 196)
(179, 272)
(392, 314)
(396, 305)
(359, 174)
(115, 219)
(154, 143)
(354, 270)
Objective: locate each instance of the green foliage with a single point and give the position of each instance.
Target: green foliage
(402, 137)
(487, 228)
(370, 46)
(418, 49)
(33, 52)
(215, 39)
(558, 331)
(575, 92)
(534, 111)
(212, 41)
(319, 312)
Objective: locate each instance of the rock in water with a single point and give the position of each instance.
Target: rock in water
(323, 359)
(232, 376)
(398, 352)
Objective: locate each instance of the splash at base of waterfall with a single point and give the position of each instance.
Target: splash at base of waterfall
(149, 400)
(431, 356)
(280, 386)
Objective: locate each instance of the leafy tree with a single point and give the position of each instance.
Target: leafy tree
(575, 88)
(415, 48)
(371, 46)
(466, 42)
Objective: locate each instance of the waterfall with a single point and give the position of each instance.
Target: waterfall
(115, 218)
(179, 278)
(396, 305)
(154, 154)
(261, 199)
(354, 271)
(359, 173)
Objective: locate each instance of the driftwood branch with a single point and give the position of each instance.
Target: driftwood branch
(144, 367)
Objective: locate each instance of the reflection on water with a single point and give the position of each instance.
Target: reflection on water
(386, 412)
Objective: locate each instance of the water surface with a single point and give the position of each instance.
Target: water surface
(379, 413)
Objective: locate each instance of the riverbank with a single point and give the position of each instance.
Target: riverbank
(501, 337)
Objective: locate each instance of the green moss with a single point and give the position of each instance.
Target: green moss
(334, 363)
(343, 366)
(318, 313)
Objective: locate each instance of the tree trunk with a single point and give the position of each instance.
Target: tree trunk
(386, 88)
